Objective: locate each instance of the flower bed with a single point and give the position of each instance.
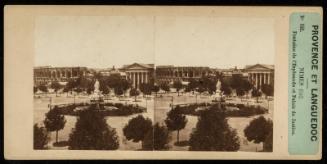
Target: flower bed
(242, 109)
(118, 110)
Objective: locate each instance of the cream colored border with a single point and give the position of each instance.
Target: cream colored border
(18, 79)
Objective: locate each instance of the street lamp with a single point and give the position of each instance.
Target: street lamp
(74, 98)
(50, 103)
(146, 103)
(196, 98)
(268, 104)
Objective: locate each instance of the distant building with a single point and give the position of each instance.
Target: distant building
(170, 73)
(46, 74)
(232, 72)
(138, 73)
(112, 71)
(260, 74)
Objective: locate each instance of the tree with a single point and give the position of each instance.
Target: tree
(78, 90)
(268, 143)
(155, 89)
(70, 85)
(176, 121)
(212, 132)
(192, 85)
(259, 129)
(246, 85)
(125, 85)
(134, 92)
(41, 137)
(210, 84)
(236, 81)
(225, 88)
(35, 89)
(137, 128)
(91, 132)
(146, 88)
(43, 88)
(240, 84)
(85, 83)
(256, 93)
(178, 86)
(54, 121)
(268, 90)
(240, 91)
(103, 87)
(156, 139)
(165, 87)
(118, 91)
(90, 88)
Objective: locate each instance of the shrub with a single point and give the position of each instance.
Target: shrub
(54, 121)
(259, 130)
(176, 121)
(244, 110)
(91, 132)
(41, 137)
(137, 128)
(156, 139)
(213, 133)
(123, 110)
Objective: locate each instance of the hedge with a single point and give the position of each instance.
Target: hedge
(122, 110)
(243, 110)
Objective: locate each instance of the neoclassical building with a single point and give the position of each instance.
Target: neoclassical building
(138, 73)
(44, 75)
(170, 73)
(260, 74)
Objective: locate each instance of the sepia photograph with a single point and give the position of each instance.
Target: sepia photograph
(153, 83)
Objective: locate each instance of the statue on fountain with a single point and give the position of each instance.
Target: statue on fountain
(97, 96)
(218, 94)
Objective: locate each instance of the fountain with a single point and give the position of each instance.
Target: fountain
(218, 94)
(218, 86)
(97, 96)
(98, 104)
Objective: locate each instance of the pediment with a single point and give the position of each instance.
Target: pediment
(257, 67)
(136, 66)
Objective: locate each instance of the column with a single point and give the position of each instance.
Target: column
(142, 77)
(138, 79)
(256, 80)
(260, 80)
(133, 77)
(264, 78)
(146, 77)
(268, 78)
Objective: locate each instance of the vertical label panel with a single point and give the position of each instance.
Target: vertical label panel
(305, 75)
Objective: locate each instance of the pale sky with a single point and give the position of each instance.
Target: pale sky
(106, 41)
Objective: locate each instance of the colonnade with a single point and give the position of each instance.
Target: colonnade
(44, 75)
(138, 77)
(260, 78)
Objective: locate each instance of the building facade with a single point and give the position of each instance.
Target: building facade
(260, 74)
(44, 75)
(138, 73)
(169, 74)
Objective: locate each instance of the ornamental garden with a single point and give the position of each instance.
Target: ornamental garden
(107, 113)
